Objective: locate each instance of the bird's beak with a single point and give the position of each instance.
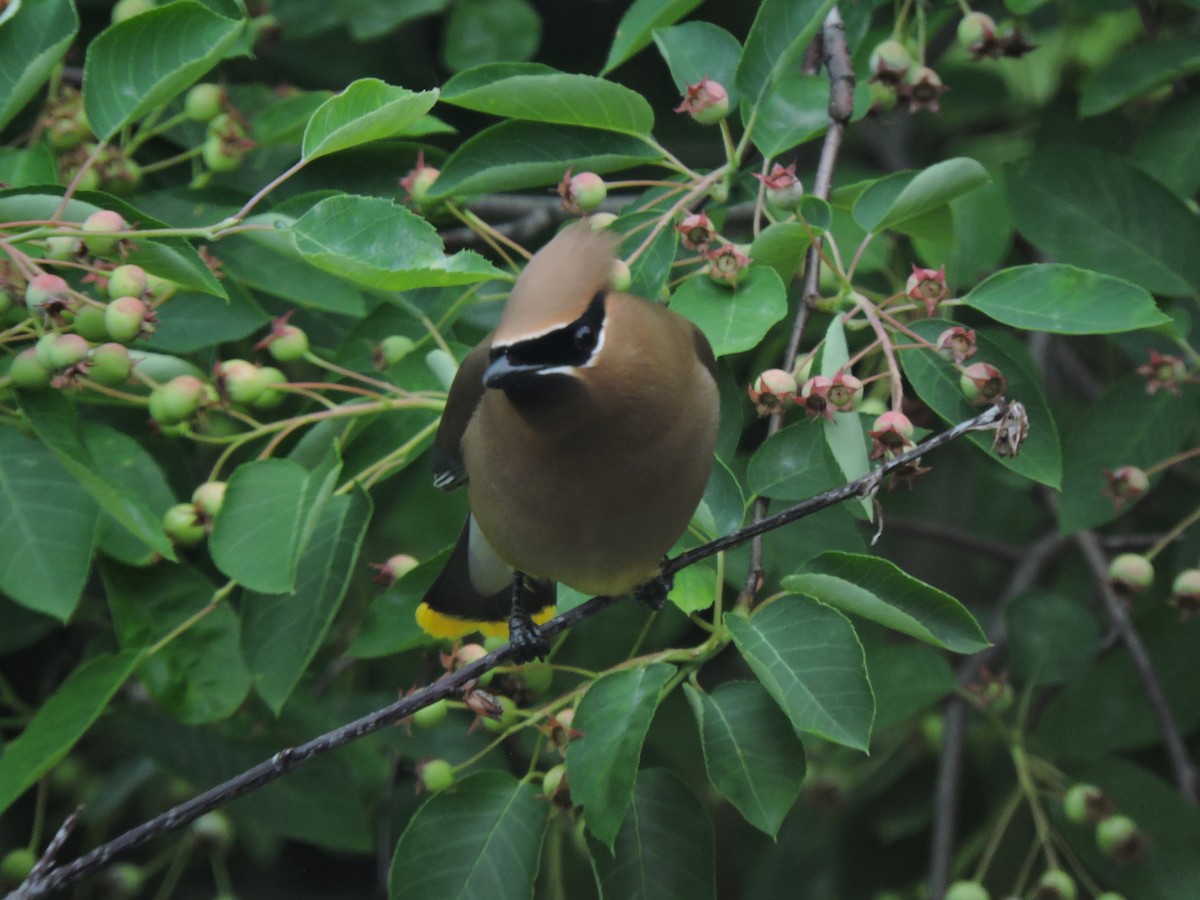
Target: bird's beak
(503, 372)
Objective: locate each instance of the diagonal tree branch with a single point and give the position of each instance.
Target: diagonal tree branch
(48, 879)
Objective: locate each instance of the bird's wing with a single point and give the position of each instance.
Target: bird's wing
(465, 393)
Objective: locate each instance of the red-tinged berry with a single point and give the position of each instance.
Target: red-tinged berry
(891, 435)
(213, 831)
(469, 653)
(1164, 372)
(1185, 593)
(98, 230)
(509, 716)
(419, 181)
(967, 890)
(923, 89)
(814, 397)
(845, 392)
(111, 364)
(67, 350)
(240, 380)
(209, 497)
(927, 286)
(127, 281)
(437, 775)
(582, 193)
(783, 188)
(47, 293)
(270, 397)
(956, 344)
(1086, 804)
(695, 231)
(392, 349)
(889, 62)
(1055, 885)
(16, 865)
(773, 391)
(620, 278)
(395, 568)
(707, 102)
(288, 343)
(1130, 573)
(28, 372)
(1120, 839)
(177, 400)
(977, 33)
(125, 318)
(183, 526)
(431, 716)
(203, 102)
(982, 383)
(1125, 484)
(725, 264)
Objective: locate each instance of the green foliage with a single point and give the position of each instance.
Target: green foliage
(1045, 224)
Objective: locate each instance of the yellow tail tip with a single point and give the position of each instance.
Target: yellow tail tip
(441, 625)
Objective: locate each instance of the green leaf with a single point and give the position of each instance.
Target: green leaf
(1169, 149)
(844, 435)
(1064, 300)
(897, 200)
(539, 93)
(613, 717)
(650, 272)
(32, 165)
(637, 26)
(694, 51)
(1051, 639)
(367, 110)
(752, 755)
(282, 633)
(695, 588)
(794, 110)
(733, 320)
(370, 20)
(781, 32)
(383, 246)
(270, 509)
(199, 676)
(514, 155)
(33, 42)
(878, 590)
(195, 321)
(1133, 430)
(980, 235)
(486, 31)
(1139, 71)
(268, 261)
(1094, 210)
(782, 246)
(907, 679)
(791, 464)
(664, 850)
(936, 381)
(809, 659)
(138, 65)
(61, 721)
(54, 420)
(47, 527)
(390, 626)
(135, 473)
(480, 841)
(723, 507)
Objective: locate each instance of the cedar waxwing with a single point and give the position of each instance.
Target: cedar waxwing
(584, 429)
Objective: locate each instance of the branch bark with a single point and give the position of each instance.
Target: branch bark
(49, 879)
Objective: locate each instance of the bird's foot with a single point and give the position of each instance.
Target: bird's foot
(526, 638)
(654, 592)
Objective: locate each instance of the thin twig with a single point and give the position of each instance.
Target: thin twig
(52, 880)
(1181, 764)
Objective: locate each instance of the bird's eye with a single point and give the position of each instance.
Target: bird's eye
(586, 338)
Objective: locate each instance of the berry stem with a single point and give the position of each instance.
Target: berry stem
(153, 130)
(702, 185)
(1173, 460)
(172, 160)
(1169, 538)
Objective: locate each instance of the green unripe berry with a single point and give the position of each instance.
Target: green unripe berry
(536, 677)
(1055, 885)
(1131, 573)
(220, 156)
(509, 716)
(620, 277)
(967, 890)
(127, 281)
(28, 372)
(203, 102)
(975, 30)
(437, 775)
(16, 865)
(89, 322)
(213, 830)
(242, 381)
(111, 364)
(288, 344)
(270, 397)
(209, 497)
(1085, 804)
(97, 231)
(62, 246)
(890, 60)
(394, 348)
(44, 349)
(160, 289)
(68, 132)
(177, 400)
(67, 350)
(431, 716)
(1118, 837)
(587, 190)
(1110, 895)
(122, 881)
(124, 318)
(553, 779)
(183, 526)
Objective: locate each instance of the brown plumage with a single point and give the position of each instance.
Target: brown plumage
(584, 428)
